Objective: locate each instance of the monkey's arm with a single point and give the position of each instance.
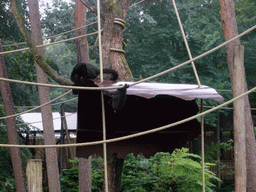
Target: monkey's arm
(118, 98)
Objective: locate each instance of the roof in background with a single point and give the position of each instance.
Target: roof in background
(35, 120)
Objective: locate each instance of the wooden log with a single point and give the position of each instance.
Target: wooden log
(34, 175)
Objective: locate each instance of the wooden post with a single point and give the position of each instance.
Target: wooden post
(239, 120)
(71, 150)
(34, 175)
(85, 180)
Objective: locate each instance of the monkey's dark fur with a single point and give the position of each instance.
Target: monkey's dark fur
(118, 98)
(84, 71)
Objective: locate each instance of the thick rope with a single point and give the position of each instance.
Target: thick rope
(137, 134)
(57, 86)
(141, 81)
(102, 100)
(19, 124)
(47, 103)
(117, 50)
(195, 58)
(202, 145)
(186, 42)
(21, 43)
(23, 107)
(54, 43)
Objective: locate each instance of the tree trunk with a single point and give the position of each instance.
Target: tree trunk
(82, 51)
(228, 20)
(44, 96)
(112, 38)
(82, 47)
(11, 128)
(115, 167)
(239, 122)
(85, 178)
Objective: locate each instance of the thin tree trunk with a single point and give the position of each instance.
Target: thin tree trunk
(115, 167)
(44, 96)
(85, 178)
(82, 47)
(82, 51)
(239, 121)
(11, 128)
(229, 24)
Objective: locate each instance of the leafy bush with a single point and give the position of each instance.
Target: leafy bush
(69, 177)
(166, 172)
(179, 171)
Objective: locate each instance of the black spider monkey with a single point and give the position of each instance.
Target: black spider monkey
(85, 71)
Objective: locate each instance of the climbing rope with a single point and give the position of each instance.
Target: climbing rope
(54, 43)
(140, 81)
(195, 58)
(22, 43)
(47, 103)
(23, 107)
(102, 101)
(19, 124)
(186, 43)
(202, 144)
(136, 134)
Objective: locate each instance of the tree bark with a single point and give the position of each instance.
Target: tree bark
(11, 128)
(44, 96)
(117, 58)
(82, 51)
(112, 38)
(229, 24)
(82, 47)
(85, 179)
(38, 58)
(239, 122)
(115, 167)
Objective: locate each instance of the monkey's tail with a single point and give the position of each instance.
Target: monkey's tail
(113, 73)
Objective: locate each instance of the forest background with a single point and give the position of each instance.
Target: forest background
(152, 40)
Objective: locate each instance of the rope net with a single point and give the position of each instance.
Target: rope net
(105, 141)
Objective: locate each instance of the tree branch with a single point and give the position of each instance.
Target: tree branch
(40, 61)
(92, 9)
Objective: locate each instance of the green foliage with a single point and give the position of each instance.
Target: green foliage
(212, 150)
(69, 177)
(179, 171)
